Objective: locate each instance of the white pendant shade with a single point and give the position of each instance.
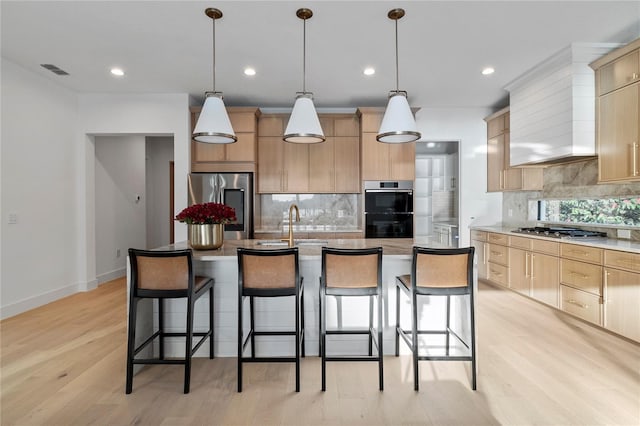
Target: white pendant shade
(398, 124)
(304, 125)
(213, 124)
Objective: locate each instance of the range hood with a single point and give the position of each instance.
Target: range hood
(552, 108)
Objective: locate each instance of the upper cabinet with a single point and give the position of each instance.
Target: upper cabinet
(383, 161)
(553, 108)
(618, 114)
(235, 157)
(501, 176)
(331, 166)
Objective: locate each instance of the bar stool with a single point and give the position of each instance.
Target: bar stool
(166, 275)
(269, 273)
(352, 272)
(437, 272)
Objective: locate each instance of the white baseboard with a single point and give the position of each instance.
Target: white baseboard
(111, 275)
(29, 303)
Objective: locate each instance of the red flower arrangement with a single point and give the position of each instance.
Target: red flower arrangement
(207, 214)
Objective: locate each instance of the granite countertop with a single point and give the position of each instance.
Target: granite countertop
(400, 248)
(605, 243)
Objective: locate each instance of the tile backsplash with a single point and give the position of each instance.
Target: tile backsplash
(573, 180)
(318, 212)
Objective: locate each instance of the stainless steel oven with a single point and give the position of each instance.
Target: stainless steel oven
(388, 209)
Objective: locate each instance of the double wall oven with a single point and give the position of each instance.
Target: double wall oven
(388, 209)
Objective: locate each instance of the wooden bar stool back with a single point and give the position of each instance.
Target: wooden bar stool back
(166, 275)
(265, 274)
(352, 272)
(438, 272)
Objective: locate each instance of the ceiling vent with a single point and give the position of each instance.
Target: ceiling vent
(54, 69)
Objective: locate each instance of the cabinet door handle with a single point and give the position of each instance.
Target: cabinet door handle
(634, 158)
(526, 264)
(580, 252)
(634, 76)
(533, 257)
(501, 179)
(575, 302)
(584, 277)
(484, 253)
(496, 253)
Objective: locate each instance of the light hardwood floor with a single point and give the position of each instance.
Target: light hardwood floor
(64, 364)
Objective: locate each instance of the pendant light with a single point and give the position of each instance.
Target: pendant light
(398, 124)
(213, 124)
(304, 125)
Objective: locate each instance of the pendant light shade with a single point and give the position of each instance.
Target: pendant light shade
(213, 124)
(398, 124)
(304, 125)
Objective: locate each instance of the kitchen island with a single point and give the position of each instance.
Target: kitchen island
(277, 313)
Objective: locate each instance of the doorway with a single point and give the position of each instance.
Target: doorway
(436, 193)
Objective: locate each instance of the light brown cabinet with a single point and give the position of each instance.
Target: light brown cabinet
(618, 114)
(533, 268)
(498, 258)
(328, 167)
(500, 175)
(622, 293)
(581, 281)
(383, 161)
(235, 157)
(479, 241)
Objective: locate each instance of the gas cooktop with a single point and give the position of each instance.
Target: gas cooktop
(560, 232)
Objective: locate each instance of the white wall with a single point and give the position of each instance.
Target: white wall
(159, 154)
(39, 253)
(477, 207)
(150, 115)
(120, 217)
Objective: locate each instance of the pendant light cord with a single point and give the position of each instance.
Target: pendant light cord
(214, 54)
(304, 56)
(397, 72)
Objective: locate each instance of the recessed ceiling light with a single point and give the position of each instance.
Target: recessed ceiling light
(369, 71)
(249, 71)
(117, 72)
(488, 71)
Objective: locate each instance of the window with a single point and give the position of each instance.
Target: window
(623, 211)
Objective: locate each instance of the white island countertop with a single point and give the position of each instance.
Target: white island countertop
(397, 247)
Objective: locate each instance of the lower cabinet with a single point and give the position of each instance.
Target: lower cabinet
(519, 270)
(479, 242)
(545, 283)
(622, 293)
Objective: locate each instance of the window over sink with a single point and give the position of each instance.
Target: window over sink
(621, 211)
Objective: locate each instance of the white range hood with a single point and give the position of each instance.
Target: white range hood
(552, 108)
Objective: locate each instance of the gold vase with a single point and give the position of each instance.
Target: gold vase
(206, 237)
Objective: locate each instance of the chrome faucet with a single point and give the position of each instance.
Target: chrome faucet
(290, 239)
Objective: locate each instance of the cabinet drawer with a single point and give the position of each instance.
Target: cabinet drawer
(622, 260)
(520, 242)
(581, 253)
(581, 304)
(548, 247)
(498, 254)
(498, 238)
(478, 235)
(584, 276)
(619, 73)
(498, 274)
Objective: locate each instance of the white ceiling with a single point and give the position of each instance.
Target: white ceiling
(165, 46)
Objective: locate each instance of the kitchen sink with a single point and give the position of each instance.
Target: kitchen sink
(301, 242)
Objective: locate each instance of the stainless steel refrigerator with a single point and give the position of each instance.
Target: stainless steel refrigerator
(232, 189)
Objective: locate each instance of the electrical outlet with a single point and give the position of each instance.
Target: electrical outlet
(13, 218)
(117, 252)
(624, 233)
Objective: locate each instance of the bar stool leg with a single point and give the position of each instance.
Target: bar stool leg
(161, 326)
(397, 319)
(252, 325)
(240, 338)
(323, 336)
(297, 296)
(448, 323)
(304, 337)
(380, 343)
(131, 341)
(414, 338)
(473, 341)
(188, 344)
(370, 325)
(211, 324)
